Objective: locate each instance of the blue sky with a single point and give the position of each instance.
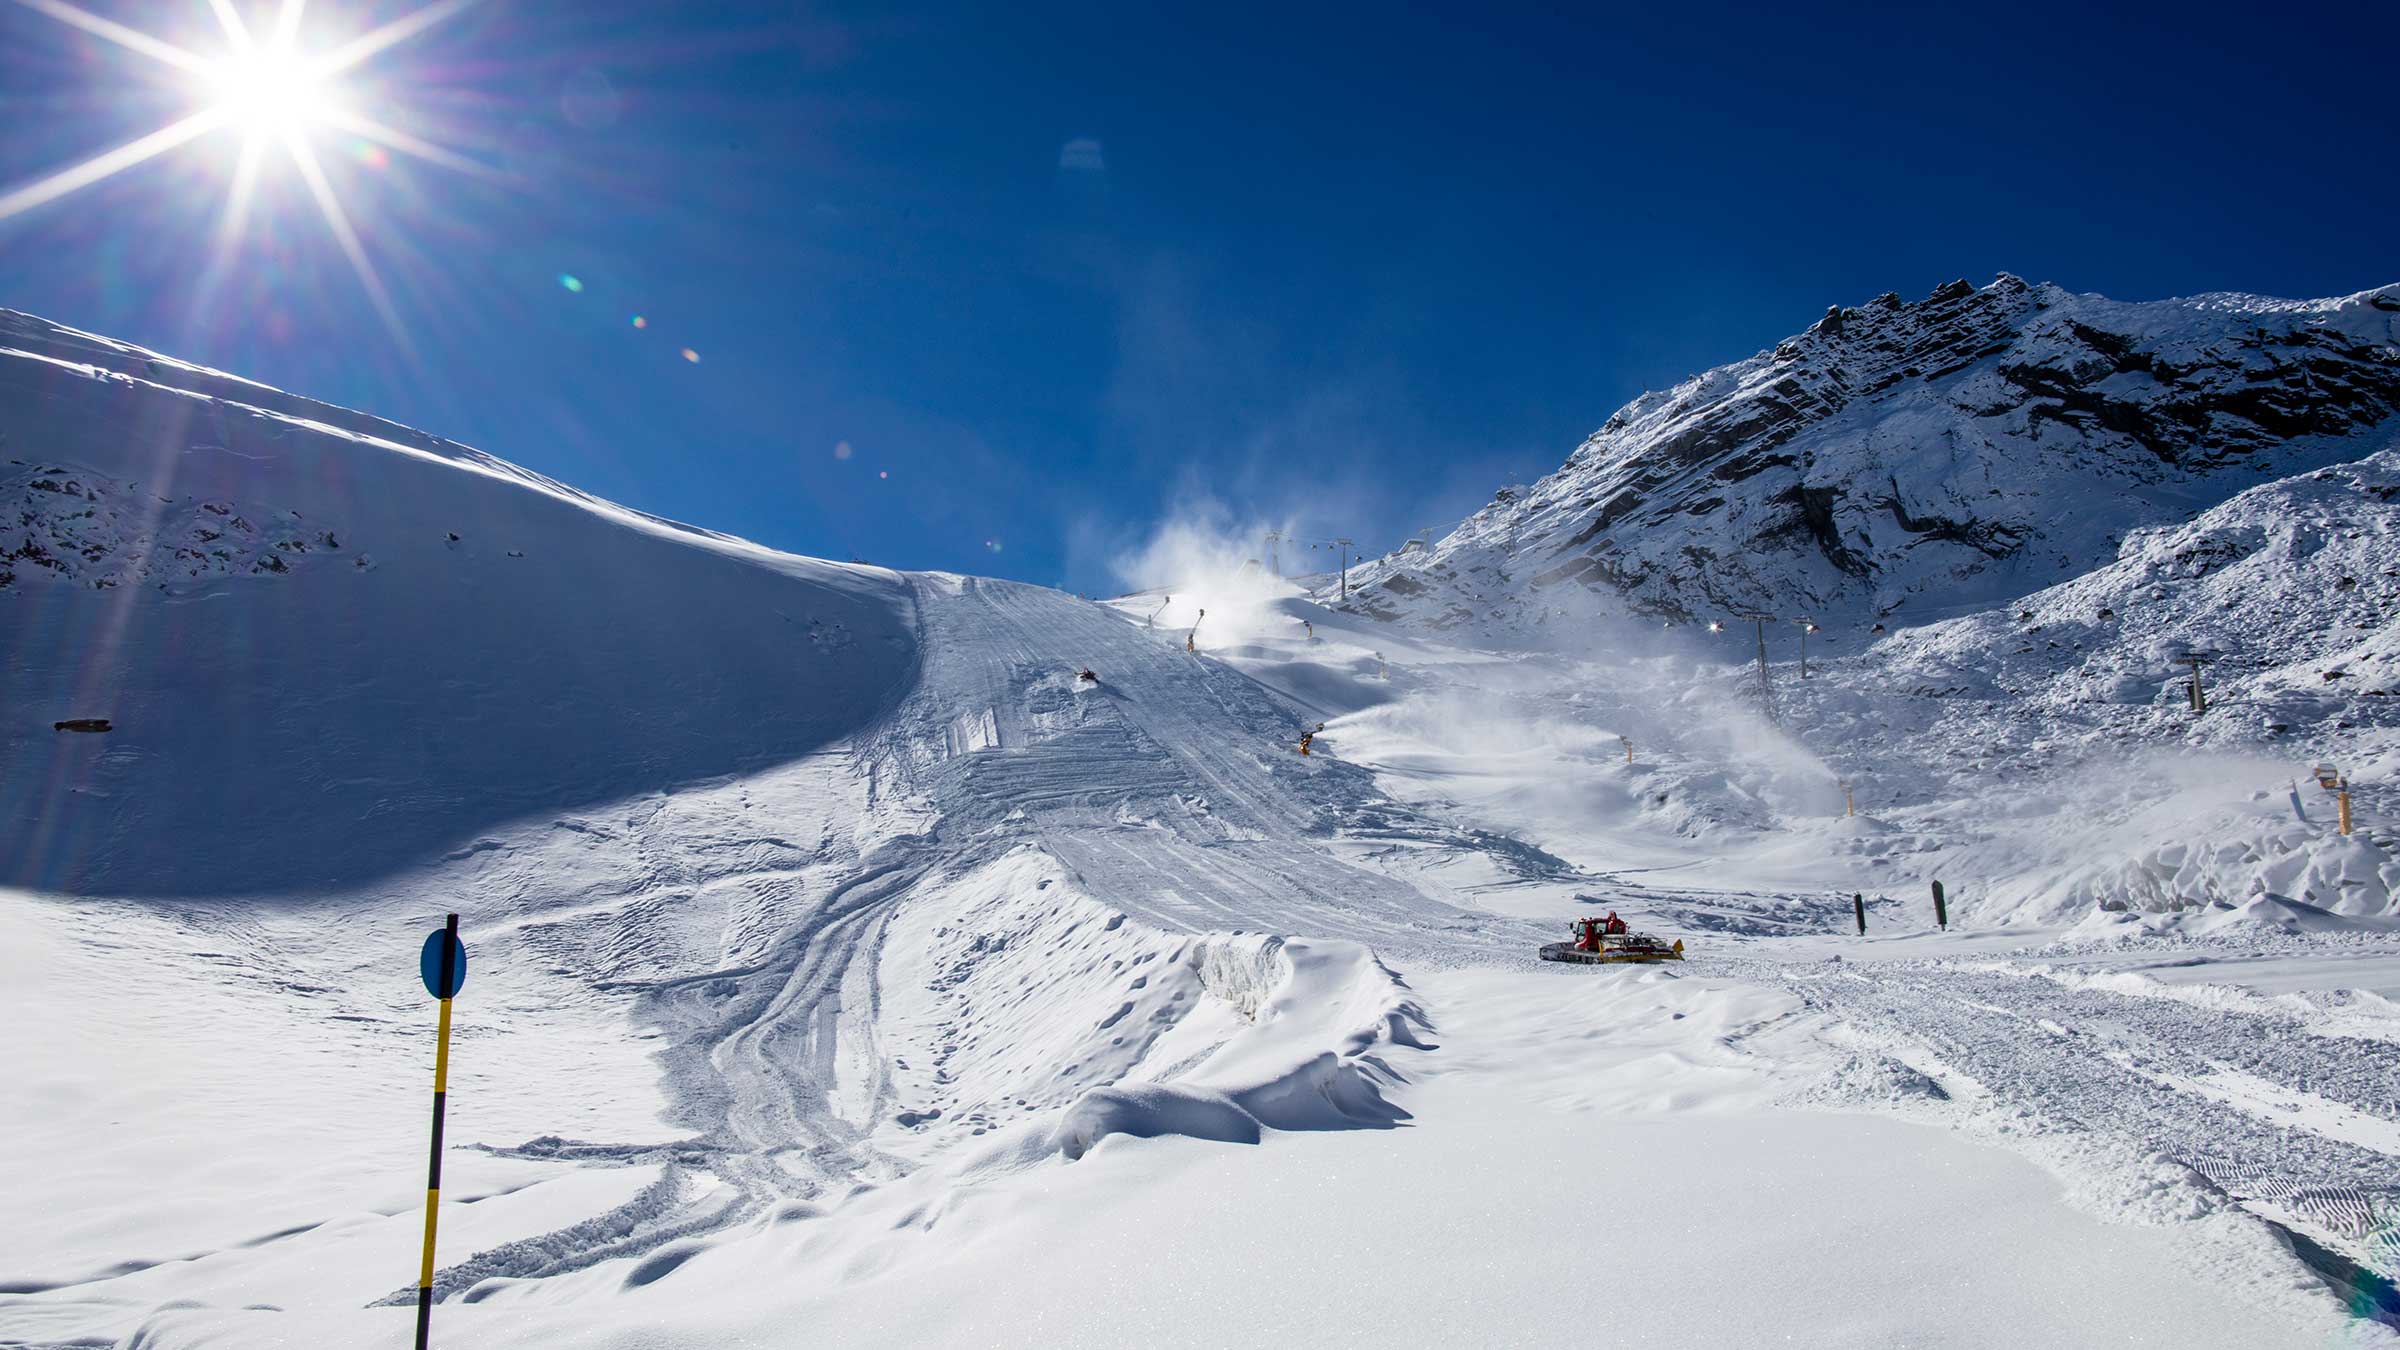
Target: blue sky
(1055, 273)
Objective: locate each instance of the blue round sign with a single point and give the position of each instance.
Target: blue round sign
(429, 965)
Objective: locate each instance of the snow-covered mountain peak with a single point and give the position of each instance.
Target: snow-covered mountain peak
(1952, 451)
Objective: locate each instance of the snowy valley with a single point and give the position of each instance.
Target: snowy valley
(849, 968)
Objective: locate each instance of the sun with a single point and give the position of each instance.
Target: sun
(272, 90)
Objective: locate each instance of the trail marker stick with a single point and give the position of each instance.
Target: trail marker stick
(443, 965)
(1941, 909)
(1858, 902)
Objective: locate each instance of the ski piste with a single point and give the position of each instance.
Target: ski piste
(884, 952)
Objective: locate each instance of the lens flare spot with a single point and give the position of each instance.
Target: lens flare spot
(571, 282)
(841, 450)
(691, 356)
(640, 322)
(883, 473)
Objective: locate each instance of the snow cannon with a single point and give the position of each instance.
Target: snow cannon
(1598, 942)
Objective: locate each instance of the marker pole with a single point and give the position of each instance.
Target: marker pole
(433, 1171)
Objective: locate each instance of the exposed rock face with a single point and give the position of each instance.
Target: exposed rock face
(1975, 445)
(64, 525)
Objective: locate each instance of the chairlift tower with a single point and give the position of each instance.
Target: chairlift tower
(1341, 546)
(1759, 619)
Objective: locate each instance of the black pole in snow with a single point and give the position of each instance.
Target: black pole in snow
(448, 978)
(1859, 902)
(1941, 911)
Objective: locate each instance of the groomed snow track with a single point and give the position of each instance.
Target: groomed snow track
(2289, 1119)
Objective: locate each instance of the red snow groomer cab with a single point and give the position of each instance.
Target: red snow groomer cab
(1608, 942)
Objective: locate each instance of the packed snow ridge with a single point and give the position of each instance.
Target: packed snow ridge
(842, 934)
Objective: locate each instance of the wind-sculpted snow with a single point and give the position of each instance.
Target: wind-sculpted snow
(2344, 876)
(1903, 458)
(1323, 1014)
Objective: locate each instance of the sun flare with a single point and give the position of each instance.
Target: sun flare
(271, 90)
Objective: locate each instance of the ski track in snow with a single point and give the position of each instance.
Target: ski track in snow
(2246, 1098)
(1167, 789)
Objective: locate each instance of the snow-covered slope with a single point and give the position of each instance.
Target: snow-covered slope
(1910, 459)
(367, 642)
(848, 967)
(853, 856)
(2011, 512)
(2292, 589)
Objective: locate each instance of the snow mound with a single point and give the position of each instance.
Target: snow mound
(1320, 1016)
(2322, 872)
(1149, 1110)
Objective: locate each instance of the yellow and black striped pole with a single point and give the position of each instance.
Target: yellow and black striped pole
(444, 966)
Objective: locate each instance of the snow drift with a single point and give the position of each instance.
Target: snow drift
(1320, 1016)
